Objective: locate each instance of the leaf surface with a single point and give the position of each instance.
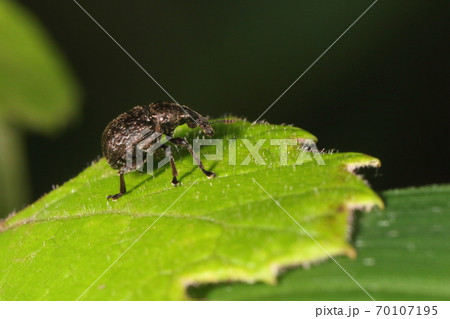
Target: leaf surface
(157, 240)
(403, 254)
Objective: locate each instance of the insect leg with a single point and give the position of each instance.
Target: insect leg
(123, 188)
(182, 142)
(168, 152)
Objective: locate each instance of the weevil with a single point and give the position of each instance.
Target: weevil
(137, 128)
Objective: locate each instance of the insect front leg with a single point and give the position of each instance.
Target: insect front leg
(182, 142)
(123, 188)
(168, 152)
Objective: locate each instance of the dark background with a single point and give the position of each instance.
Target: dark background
(381, 90)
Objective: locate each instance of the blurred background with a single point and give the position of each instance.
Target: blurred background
(381, 90)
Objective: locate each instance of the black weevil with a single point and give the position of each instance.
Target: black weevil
(138, 125)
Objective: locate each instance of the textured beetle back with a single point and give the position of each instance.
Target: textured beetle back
(123, 134)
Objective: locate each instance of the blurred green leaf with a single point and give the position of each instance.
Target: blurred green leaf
(219, 230)
(37, 90)
(402, 255)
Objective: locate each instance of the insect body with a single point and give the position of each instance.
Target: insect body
(142, 127)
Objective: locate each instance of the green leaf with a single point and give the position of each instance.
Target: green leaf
(37, 90)
(215, 230)
(402, 255)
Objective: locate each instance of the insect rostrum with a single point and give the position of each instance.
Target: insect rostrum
(137, 128)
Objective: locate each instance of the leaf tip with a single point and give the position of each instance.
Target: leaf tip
(364, 205)
(365, 161)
